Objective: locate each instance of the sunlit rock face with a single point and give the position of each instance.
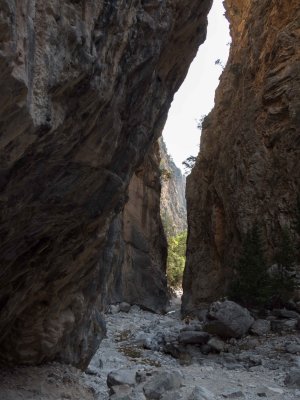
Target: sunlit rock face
(172, 199)
(248, 167)
(85, 90)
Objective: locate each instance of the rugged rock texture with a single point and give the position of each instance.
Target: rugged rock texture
(136, 270)
(85, 89)
(172, 203)
(248, 167)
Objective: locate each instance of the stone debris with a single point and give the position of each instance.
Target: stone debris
(142, 359)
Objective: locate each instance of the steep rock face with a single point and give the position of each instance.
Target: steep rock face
(248, 167)
(172, 203)
(137, 267)
(85, 89)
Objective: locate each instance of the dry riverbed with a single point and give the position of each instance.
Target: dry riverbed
(136, 346)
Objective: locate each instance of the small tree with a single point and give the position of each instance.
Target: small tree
(282, 282)
(298, 216)
(297, 227)
(176, 259)
(200, 121)
(251, 286)
(220, 63)
(189, 164)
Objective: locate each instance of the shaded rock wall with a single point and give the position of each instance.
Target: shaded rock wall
(172, 203)
(248, 167)
(85, 87)
(138, 248)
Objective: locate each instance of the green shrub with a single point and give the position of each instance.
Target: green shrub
(251, 286)
(282, 282)
(176, 259)
(254, 285)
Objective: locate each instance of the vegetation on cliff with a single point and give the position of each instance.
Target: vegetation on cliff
(176, 259)
(256, 283)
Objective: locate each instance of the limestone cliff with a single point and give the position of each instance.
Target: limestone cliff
(172, 202)
(248, 167)
(85, 87)
(137, 250)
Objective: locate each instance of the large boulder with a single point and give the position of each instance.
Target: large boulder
(228, 320)
(162, 382)
(292, 379)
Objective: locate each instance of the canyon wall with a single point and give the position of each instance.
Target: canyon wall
(137, 250)
(248, 167)
(85, 87)
(172, 199)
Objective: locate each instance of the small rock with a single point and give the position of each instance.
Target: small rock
(292, 379)
(124, 307)
(237, 394)
(131, 396)
(251, 360)
(113, 309)
(92, 371)
(201, 393)
(202, 315)
(121, 390)
(135, 308)
(172, 396)
(161, 382)
(260, 327)
(284, 313)
(66, 396)
(193, 337)
(205, 349)
(287, 325)
(121, 377)
(192, 327)
(141, 376)
(216, 344)
(293, 348)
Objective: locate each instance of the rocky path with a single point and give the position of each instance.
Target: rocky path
(135, 358)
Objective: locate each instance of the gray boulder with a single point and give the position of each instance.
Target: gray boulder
(121, 376)
(125, 307)
(228, 320)
(292, 348)
(292, 379)
(193, 337)
(201, 393)
(216, 344)
(260, 327)
(120, 392)
(113, 309)
(233, 394)
(161, 382)
(284, 313)
(284, 325)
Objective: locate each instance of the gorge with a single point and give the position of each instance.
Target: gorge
(85, 91)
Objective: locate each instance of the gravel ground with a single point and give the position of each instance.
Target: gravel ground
(251, 368)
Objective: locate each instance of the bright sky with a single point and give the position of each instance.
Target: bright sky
(196, 95)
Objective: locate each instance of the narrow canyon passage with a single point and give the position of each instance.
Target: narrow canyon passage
(85, 91)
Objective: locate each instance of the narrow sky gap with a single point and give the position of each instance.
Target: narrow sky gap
(196, 95)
